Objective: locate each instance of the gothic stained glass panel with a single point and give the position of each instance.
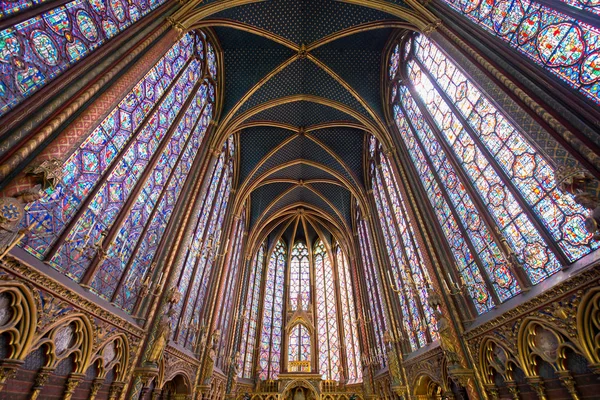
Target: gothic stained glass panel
(493, 261)
(251, 310)
(84, 168)
(149, 243)
(592, 6)
(37, 50)
(124, 245)
(11, 7)
(107, 203)
(299, 346)
(349, 321)
(523, 165)
(270, 342)
(377, 318)
(513, 222)
(328, 336)
(211, 244)
(408, 268)
(564, 46)
(186, 266)
(299, 276)
(226, 308)
(465, 260)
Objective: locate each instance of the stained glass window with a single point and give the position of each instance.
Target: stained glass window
(376, 312)
(269, 358)
(122, 183)
(349, 320)
(299, 276)
(226, 308)
(251, 314)
(37, 50)
(299, 349)
(557, 41)
(493, 192)
(202, 254)
(409, 277)
(327, 323)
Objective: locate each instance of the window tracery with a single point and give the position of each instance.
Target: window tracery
(558, 41)
(270, 342)
(493, 192)
(409, 277)
(327, 321)
(104, 223)
(251, 312)
(349, 318)
(197, 266)
(39, 49)
(376, 318)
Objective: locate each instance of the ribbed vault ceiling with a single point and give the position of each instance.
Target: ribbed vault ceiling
(302, 87)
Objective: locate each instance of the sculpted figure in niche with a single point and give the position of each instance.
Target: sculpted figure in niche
(162, 337)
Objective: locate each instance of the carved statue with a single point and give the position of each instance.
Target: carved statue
(237, 361)
(162, 338)
(212, 356)
(12, 211)
(447, 342)
(173, 295)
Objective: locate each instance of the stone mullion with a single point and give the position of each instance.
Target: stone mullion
(198, 186)
(340, 317)
(523, 93)
(474, 197)
(379, 303)
(237, 339)
(130, 142)
(369, 336)
(199, 255)
(411, 238)
(360, 287)
(113, 230)
(155, 208)
(63, 99)
(392, 310)
(260, 317)
(537, 223)
(405, 262)
(230, 261)
(218, 279)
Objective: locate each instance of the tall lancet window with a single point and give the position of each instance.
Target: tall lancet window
(251, 314)
(299, 276)
(409, 277)
(299, 349)
(39, 48)
(103, 225)
(195, 269)
(376, 317)
(349, 320)
(327, 319)
(558, 41)
(270, 341)
(493, 191)
(233, 261)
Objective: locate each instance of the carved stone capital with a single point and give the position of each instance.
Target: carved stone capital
(537, 384)
(95, 388)
(72, 382)
(432, 27)
(492, 392)
(116, 388)
(8, 370)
